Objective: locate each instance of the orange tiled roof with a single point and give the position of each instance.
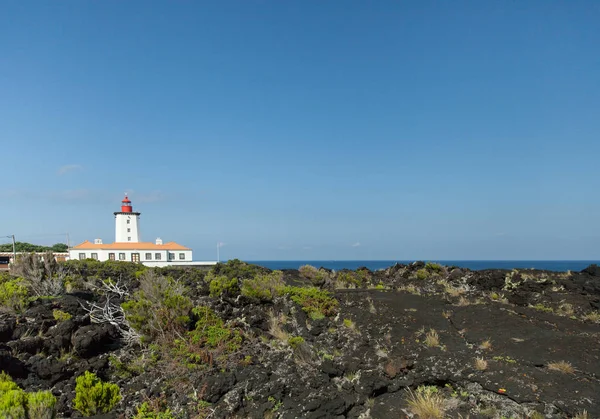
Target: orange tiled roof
(131, 246)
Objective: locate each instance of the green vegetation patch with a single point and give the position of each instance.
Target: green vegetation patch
(348, 279)
(264, 287)
(159, 309)
(221, 285)
(210, 340)
(61, 316)
(16, 403)
(94, 396)
(153, 411)
(13, 295)
(314, 301)
(237, 269)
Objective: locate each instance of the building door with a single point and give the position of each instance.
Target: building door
(135, 257)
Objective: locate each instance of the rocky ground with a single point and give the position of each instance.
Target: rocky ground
(485, 344)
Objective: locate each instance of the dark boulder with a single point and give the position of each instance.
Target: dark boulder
(593, 270)
(11, 365)
(95, 339)
(30, 346)
(48, 369)
(7, 327)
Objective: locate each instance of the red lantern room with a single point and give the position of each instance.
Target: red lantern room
(126, 205)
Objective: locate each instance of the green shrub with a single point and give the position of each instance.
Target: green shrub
(40, 405)
(347, 279)
(13, 295)
(435, 267)
(308, 271)
(159, 309)
(13, 404)
(61, 316)
(237, 269)
(6, 383)
(295, 341)
(221, 284)
(264, 287)
(314, 301)
(209, 340)
(17, 404)
(422, 274)
(146, 411)
(93, 396)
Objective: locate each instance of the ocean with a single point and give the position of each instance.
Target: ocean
(548, 265)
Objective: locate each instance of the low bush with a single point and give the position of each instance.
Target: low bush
(347, 279)
(94, 396)
(315, 302)
(40, 405)
(308, 272)
(264, 287)
(295, 341)
(210, 339)
(423, 274)
(17, 404)
(159, 309)
(149, 410)
(13, 295)
(435, 267)
(221, 285)
(61, 316)
(237, 269)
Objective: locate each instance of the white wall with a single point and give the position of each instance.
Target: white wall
(121, 226)
(103, 255)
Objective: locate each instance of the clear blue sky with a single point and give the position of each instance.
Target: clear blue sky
(306, 129)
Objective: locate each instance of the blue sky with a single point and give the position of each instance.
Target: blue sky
(305, 129)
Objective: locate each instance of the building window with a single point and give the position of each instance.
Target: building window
(182, 256)
(135, 257)
(157, 256)
(95, 256)
(171, 256)
(148, 256)
(81, 256)
(129, 230)
(128, 239)
(128, 221)
(111, 256)
(121, 256)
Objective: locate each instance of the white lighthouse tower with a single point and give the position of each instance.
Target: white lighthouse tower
(127, 223)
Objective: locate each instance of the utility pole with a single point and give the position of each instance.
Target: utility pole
(14, 249)
(218, 246)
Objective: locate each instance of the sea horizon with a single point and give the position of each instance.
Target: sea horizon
(472, 264)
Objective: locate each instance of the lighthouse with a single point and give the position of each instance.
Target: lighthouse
(128, 247)
(127, 223)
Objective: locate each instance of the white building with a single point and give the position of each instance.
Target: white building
(128, 247)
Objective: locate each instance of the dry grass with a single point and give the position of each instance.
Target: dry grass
(593, 316)
(275, 329)
(453, 291)
(566, 309)
(582, 415)
(561, 366)
(411, 289)
(462, 301)
(481, 364)
(372, 308)
(486, 345)
(426, 405)
(432, 338)
(447, 314)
